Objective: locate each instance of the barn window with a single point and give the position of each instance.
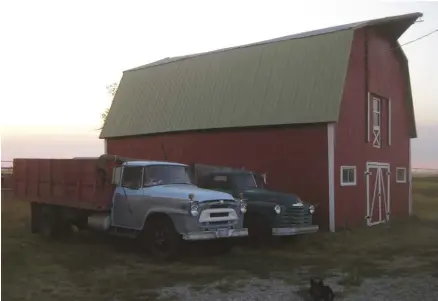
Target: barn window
(377, 109)
(400, 175)
(348, 175)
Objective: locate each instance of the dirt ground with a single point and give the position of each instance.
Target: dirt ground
(397, 261)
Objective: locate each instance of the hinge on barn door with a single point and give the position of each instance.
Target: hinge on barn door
(367, 217)
(388, 173)
(368, 173)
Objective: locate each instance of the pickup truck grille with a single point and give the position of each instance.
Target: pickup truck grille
(295, 216)
(211, 212)
(219, 204)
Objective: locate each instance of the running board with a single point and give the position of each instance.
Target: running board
(124, 232)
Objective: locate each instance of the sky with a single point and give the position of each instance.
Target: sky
(57, 57)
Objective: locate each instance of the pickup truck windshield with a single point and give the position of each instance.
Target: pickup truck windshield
(166, 174)
(246, 181)
(259, 180)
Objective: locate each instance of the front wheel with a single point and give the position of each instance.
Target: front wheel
(162, 239)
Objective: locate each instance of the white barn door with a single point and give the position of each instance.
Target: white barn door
(378, 178)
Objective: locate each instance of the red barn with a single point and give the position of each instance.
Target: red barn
(327, 114)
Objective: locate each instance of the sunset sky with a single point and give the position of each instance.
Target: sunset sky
(57, 57)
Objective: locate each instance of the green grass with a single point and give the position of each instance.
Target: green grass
(92, 267)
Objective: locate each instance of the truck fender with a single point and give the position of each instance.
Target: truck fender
(169, 213)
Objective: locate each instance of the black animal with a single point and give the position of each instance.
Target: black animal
(320, 292)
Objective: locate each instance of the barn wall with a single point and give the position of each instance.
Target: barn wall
(385, 78)
(294, 158)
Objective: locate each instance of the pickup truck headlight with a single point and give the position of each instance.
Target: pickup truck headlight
(194, 208)
(243, 207)
(277, 209)
(312, 209)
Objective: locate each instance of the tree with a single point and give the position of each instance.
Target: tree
(112, 89)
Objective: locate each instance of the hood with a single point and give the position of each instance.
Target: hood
(182, 191)
(260, 194)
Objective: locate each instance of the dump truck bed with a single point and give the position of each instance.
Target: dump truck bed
(74, 183)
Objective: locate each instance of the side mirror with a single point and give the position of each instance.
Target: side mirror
(117, 175)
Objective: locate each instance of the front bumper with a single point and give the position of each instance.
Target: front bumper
(217, 234)
(295, 230)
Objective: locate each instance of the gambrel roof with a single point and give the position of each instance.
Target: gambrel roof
(295, 79)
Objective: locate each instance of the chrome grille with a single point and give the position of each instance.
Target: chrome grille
(218, 204)
(295, 216)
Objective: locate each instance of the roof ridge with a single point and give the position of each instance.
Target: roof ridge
(300, 35)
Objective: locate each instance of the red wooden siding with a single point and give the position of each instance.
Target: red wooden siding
(7, 182)
(385, 80)
(295, 158)
(69, 182)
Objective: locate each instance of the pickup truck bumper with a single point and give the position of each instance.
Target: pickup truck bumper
(295, 230)
(220, 233)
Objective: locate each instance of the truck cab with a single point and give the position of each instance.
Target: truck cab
(270, 213)
(159, 201)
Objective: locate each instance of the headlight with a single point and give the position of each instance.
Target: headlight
(243, 207)
(277, 209)
(312, 209)
(194, 208)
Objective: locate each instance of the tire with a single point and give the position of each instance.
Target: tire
(47, 227)
(53, 226)
(162, 240)
(259, 231)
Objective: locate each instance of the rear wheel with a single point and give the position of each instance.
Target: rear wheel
(47, 228)
(162, 239)
(53, 225)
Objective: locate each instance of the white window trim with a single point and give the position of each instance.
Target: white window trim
(377, 132)
(410, 179)
(354, 183)
(389, 122)
(368, 117)
(396, 175)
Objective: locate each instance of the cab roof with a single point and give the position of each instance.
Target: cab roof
(149, 163)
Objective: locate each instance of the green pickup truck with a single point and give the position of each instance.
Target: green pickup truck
(270, 213)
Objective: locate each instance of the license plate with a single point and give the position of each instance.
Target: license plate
(223, 232)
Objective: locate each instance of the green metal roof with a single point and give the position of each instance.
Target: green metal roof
(291, 80)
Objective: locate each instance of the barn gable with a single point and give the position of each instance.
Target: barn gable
(291, 80)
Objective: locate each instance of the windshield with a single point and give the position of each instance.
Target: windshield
(259, 180)
(166, 174)
(246, 181)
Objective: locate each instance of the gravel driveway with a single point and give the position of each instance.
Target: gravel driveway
(414, 288)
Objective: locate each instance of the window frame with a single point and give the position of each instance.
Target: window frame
(147, 175)
(377, 129)
(122, 181)
(348, 167)
(405, 175)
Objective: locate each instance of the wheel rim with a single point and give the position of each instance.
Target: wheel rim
(159, 243)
